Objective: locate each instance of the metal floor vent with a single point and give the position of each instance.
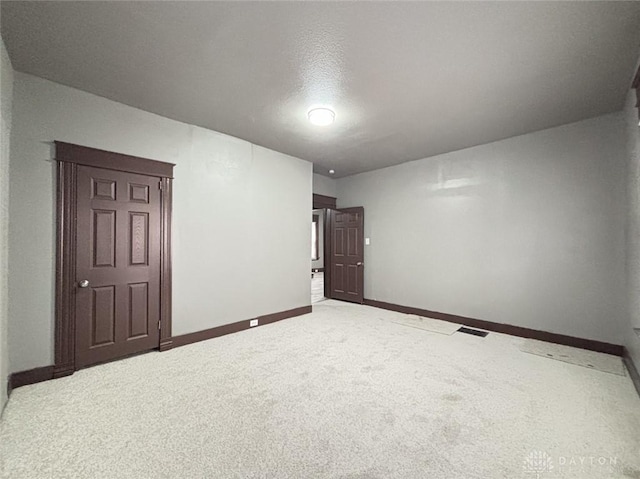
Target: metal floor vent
(474, 332)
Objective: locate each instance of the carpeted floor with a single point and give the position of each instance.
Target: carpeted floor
(339, 393)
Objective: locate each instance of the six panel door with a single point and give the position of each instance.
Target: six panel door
(347, 255)
(117, 264)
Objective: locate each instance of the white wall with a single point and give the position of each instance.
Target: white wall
(527, 231)
(324, 186)
(632, 341)
(241, 214)
(6, 95)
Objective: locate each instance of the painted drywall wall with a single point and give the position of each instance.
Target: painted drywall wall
(324, 186)
(6, 95)
(632, 130)
(240, 216)
(527, 231)
(319, 263)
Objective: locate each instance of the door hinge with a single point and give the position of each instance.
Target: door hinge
(159, 322)
(160, 185)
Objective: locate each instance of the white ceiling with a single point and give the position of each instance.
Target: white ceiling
(406, 80)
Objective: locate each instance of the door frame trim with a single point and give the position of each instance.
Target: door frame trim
(328, 212)
(68, 157)
(83, 155)
(327, 204)
(322, 201)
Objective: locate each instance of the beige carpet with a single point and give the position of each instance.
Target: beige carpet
(580, 357)
(338, 393)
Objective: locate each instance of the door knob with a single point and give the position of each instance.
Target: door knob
(84, 283)
(359, 263)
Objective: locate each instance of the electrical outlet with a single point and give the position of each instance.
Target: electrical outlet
(253, 322)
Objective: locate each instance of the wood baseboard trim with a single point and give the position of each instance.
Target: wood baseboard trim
(633, 370)
(166, 345)
(32, 376)
(62, 370)
(37, 375)
(592, 345)
(218, 331)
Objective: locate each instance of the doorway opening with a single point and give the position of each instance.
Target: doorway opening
(317, 256)
(337, 251)
(322, 205)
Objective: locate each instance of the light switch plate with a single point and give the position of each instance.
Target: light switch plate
(367, 241)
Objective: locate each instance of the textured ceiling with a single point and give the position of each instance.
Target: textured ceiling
(406, 80)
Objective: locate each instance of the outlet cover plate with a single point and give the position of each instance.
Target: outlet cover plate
(253, 322)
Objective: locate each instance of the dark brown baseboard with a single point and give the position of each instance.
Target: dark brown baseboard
(166, 345)
(32, 376)
(589, 344)
(218, 331)
(633, 371)
(62, 370)
(37, 375)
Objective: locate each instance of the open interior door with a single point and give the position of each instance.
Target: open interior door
(346, 255)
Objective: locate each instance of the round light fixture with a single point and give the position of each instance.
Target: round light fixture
(321, 116)
(331, 172)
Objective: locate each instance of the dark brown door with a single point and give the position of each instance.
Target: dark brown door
(117, 264)
(347, 255)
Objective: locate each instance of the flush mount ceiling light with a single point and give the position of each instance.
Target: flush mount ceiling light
(321, 116)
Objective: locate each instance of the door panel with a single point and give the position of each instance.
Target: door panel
(104, 240)
(118, 253)
(338, 242)
(352, 242)
(347, 255)
(338, 276)
(103, 189)
(139, 238)
(138, 310)
(103, 316)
